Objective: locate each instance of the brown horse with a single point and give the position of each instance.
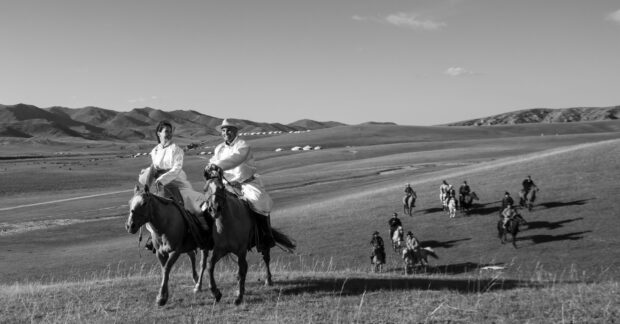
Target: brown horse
(512, 227)
(413, 257)
(409, 204)
(234, 232)
(169, 229)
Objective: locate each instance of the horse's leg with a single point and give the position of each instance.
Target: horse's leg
(267, 259)
(203, 266)
(217, 294)
(243, 270)
(172, 257)
(514, 240)
(192, 258)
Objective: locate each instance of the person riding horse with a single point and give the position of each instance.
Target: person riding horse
(166, 176)
(394, 223)
(464, 191)
(443, 191)
(528, 184)
(377, 243)
(408, 190)
(411, 242)
(234, 157)
(508, 213)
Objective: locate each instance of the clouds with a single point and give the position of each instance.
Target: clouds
(457, 71)
(405, 20)
(614, 16)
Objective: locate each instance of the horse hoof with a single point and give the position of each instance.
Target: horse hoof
(217, 294)
(268, 282)
(238, 301)
(197, 290)
(161, 301)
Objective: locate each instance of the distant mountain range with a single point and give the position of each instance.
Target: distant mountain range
(95, 123)
(545, 115)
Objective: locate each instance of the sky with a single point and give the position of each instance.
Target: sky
(412, 62)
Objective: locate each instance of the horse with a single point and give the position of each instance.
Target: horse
(170, 232)
(377, 260)
(409, 204)
(398, 239)
(413, 257)
(526, 200)
(512, 227)
(451, 202)
(468, 201)
(235, 232)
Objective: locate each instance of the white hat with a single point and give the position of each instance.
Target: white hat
(226, 124)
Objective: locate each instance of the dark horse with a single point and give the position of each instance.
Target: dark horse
(526, 200)
(169, 229)
(512, 227)
(467, 201)
(234, 232)
(377, 259)
(409, 204)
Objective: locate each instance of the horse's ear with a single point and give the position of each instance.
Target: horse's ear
(146, 188)
(136, 189)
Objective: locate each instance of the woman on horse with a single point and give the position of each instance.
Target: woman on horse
(235, 158)
(166, 172)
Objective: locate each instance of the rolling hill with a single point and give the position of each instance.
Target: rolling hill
(545, 115)
(93, 123)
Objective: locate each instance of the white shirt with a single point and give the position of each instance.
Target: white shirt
(169, 157)
(235, 159)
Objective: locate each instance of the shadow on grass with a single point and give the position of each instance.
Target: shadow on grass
(555, 204)
(432, 210)
(357, 286)
(446, 244)
(550, 225)
(538, 239)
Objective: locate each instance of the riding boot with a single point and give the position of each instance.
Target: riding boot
(266, 240)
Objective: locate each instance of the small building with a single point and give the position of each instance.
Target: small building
(307, 148)
(296, 148)
(279, 149)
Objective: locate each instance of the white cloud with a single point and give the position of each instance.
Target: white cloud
(142, 99)
(412, 20)
(615, 16)
(456, 71)
(405, 20)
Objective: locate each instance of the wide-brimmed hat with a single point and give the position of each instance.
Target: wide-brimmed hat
(226, 124)
(375, 233)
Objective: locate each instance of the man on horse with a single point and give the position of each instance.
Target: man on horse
(408, 190)
(506, 200)
(377, 243)
(464, 191)
(508, 213)
(411, 242)
(394, 223)
(235, 158)
(443, 192)
(528, 184)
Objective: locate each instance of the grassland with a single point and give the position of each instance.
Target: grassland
(73, 261)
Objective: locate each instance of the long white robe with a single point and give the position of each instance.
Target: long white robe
(239, 166)
(171, 158)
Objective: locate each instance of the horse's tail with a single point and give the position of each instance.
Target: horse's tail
(283, 241)
(431, 252)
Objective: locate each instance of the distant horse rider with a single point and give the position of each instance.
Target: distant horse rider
(464, 191)
(235, 158)
(394, 223)
(528, 184)
(508, 213)
(443, 192)
(507, 200)
(408, 190)
(411, 242)
(377, 243)
(451, 193)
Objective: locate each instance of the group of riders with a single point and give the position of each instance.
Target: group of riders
(395, 224)
(447, 195)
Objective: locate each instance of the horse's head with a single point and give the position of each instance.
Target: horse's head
(138, 211)
(215, 192)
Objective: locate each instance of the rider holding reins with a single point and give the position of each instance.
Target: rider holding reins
(235, 158)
